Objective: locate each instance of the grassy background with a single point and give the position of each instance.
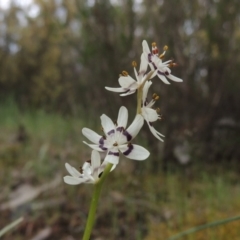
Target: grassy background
(135, 203)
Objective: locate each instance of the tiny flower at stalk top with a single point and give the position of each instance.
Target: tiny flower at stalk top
(117, 138)
(149, 114)
(127, 83)
(89, 173)
(162, 69)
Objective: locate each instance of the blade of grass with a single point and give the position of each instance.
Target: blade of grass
(10, 226)
(201, 227)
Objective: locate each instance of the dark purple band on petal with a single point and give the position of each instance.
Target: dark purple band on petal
(130, 148)
(113, 153)
(101, 144)
(127, 135)
(161, 73)
(120, 129)
(111, 132)
(155, 67)
(150, 57)
(150, 61)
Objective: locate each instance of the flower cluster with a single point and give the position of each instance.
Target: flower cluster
(117, 137)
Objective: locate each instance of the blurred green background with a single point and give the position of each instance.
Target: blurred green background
(57, 56)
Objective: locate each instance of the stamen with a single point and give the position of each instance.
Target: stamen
(165, 48)
(115, 144)
(158, 110)
(154, 44)
(172, 64)
(134, 63)
(155, 97)
(161, 56)
(124, 73)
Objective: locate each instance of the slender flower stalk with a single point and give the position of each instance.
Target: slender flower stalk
(94, 202)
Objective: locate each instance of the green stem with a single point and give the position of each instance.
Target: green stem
(94, 202)
(208, 225)
(139, 99)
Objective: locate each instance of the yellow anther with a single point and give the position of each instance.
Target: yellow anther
(154, 44)
(115, 144)
(172, 64)
(124, 73)
(154, 95)
(158, 110)
(165, 48)
(134, 63)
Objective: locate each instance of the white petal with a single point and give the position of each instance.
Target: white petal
(163, 78)
(145, 47)
(91, 135)
(72, 171)
(145, 89)
(122, 117)
(95, 159)
(173, 78)
(134, 152)
(143, 65)
(155, 133)
(94, 146)
(115, 89)
(150, 114)
(136, 125)
(128, 93)
(107, 124)
(111, 158)
(127, 82)
(73, 181)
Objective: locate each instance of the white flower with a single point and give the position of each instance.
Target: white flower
(89, 172)
(155, 62)
(149, 114)
(127, 83)
(116, 138)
